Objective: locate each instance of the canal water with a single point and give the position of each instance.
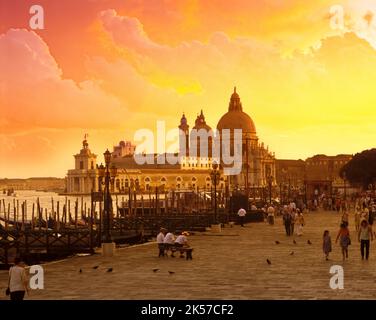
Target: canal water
(49, 199)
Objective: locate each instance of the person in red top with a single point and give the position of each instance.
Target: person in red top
(344, 236)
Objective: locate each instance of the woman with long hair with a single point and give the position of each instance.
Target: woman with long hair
(345, 241)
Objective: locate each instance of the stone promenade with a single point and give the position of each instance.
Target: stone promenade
(229, 265)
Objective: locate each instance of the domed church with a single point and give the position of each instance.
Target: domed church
(258, 163)
(193, 171)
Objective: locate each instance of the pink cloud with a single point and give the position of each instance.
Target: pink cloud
(33, 92)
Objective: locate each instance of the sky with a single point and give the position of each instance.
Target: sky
(305, 72)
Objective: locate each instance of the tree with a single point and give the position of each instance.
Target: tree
(361, 169)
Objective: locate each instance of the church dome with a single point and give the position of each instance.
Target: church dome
(235, 118)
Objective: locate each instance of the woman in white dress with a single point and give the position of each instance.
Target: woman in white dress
(299, 222)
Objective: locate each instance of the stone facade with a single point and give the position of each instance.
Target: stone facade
(259, 164)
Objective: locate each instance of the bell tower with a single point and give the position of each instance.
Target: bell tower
(183, 137)
(82, 179)
(85, 160)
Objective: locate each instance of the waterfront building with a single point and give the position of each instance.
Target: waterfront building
(259, 167)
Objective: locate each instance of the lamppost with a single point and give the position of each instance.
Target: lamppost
(344, 185)
(107, 173)
(101, 173)
(270, 181)
(215, 175)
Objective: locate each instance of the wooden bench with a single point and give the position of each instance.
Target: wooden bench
(187, 250)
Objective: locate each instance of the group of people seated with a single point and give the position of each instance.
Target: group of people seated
(167, 242)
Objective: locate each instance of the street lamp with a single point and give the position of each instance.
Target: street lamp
(270, 181)
(107, 173)
(101, 173)
(215, 175)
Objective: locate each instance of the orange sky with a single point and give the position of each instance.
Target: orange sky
(110, 67)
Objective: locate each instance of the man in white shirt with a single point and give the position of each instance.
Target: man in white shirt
(241, 214)
(168, 242)
(182, 241)
(18, 282)
(160, 242)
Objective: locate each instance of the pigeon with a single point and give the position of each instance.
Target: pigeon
(155, 270)
(291, 253)
(80, 271)
(95, 267)
(309, 242)
(171, 272)
(268, 261)
(294, 242)
(109, 270)
(277, 242)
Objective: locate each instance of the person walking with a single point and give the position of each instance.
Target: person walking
(371, 215)
(241, 214)
(270, 212)
(326, 244)
(18, 282)
(364, 236)
(287, 221)
(299, 221)
(357, 219)
(292, 223)
(345, 241)
(160, 242)
(345, 218)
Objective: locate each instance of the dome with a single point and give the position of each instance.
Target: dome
(236, 118)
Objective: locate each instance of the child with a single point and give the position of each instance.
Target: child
(344, 236)
(326, 244)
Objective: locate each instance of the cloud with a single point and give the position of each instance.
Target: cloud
(35, 94)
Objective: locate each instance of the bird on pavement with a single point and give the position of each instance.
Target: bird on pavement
(171, 272)
(294, 242)
(155, 270)
(291, 253)
(268, 261)
(110, 269)
(277, 242)
(309, 242)
(80, 271)
(95, 267)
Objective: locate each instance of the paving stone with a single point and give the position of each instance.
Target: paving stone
(230, 265)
